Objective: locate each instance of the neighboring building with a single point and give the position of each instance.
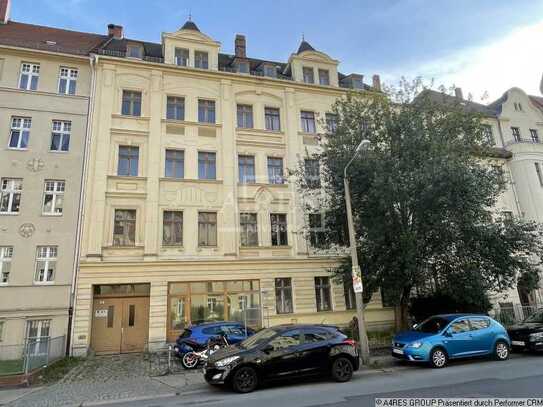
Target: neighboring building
(515, 128)
(189, 213)
(44, 98)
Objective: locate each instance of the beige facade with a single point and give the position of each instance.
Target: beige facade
(41, 172)
(149, 192)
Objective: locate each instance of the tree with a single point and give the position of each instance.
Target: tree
(423, 198)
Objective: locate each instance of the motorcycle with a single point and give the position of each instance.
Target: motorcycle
(191, 360)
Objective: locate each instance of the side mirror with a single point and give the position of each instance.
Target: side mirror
(415, 326)
(447, 333)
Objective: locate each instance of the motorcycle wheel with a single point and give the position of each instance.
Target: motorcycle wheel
(190, 360)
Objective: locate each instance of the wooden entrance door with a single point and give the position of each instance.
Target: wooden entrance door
(120, 325)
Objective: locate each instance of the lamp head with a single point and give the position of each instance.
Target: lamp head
(363, 146)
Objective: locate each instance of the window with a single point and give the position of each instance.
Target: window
(460, 326)
(10, 197)
(331, 123)
(507, 215)
(206, 165)
(270, 71)
(479, 323)
(518, 106)
(207, 229)
(53, 197)
(20, 132)
(182, 57)
(67, 81)
(312, 173)
(131, 103)
(175, 108)
(60, 138)
(272, 119)
(30, 74)
(243, 67)
(6, 254)
(200, 60)
(172, 228)
(516, 134)
(348, 292)
(314, 335)
(124, 229)
(487, 132)
(539, 174)
(308, 75)
(37, 334)
(324, 77)
(308, 122)
(246, 165)
(498, 170)
(134, 51)
(175, 164)
(322, 294)
(534, 135)
(245, 116)
(283, 296)
(279, 229)
(317, 234)
(128, 161)
(206, 111)
(275, 170)
(286, 340)
(46, 264)
(249, 229)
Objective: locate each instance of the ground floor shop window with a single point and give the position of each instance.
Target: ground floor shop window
(197, 302)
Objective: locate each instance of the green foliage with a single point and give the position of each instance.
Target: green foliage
(423, 197)
(423, 307)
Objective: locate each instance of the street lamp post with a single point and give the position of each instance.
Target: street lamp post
(356, 276)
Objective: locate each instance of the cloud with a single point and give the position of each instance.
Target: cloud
(513, 60)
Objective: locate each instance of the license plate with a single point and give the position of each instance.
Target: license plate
(518, 343)
(398, 351)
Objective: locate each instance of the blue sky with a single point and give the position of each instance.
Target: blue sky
(481, 45)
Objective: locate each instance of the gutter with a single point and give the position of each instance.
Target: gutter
(81, 210)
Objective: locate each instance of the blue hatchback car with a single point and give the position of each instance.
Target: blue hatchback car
(452, 336)
(196, 337)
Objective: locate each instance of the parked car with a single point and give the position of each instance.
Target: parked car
(284, 352)
(196, 337)
(528, 335)
(452, 336)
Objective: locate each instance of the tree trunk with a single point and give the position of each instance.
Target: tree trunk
(404, 310)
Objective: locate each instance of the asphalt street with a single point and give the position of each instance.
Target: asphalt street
(521, 376)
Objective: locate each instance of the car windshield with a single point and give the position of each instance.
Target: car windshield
(258, 339)
(432, 325)
(535, 317)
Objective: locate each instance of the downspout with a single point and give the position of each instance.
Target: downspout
(81, 209)
(513, 184)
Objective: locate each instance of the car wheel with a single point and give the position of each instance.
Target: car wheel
(342, 370)
(190, 360)
(245, 380)
(501, 351)
(438, 358)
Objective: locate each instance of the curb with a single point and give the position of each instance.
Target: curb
(128, 400)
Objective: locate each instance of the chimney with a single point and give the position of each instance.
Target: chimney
(113, 30)
(240, 46)
(458, 93)
(376, 83)
(4, 11)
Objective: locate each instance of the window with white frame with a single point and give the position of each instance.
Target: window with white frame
(53, 197)
(67, 81)
(20, 132)
(201, 60)
(37, 336)
(60, 137)
(308, 122)
(182, 57)
(272, 119)
(10, 195)
(308, 75)
(30, 74)
(46, 264)
(6, 254)
(324, 77)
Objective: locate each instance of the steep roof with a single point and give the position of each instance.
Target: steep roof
(448, 100)
(190, 25)
(48, 39)
(537, 100)
(305, 46)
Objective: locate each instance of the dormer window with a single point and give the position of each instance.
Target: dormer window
(243, 67)
(182, 57)
(358, 83)
(134, 51)
(201, 60)
(270, 70)
(308, 75)
(324, 77)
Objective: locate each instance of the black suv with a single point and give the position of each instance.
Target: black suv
(283, 352)
(528, 335)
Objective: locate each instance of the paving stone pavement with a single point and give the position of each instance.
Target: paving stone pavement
(108, 378)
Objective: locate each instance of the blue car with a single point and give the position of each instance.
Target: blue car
(453, 336)
(195, 338)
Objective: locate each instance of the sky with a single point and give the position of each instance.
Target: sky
(483, 46)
